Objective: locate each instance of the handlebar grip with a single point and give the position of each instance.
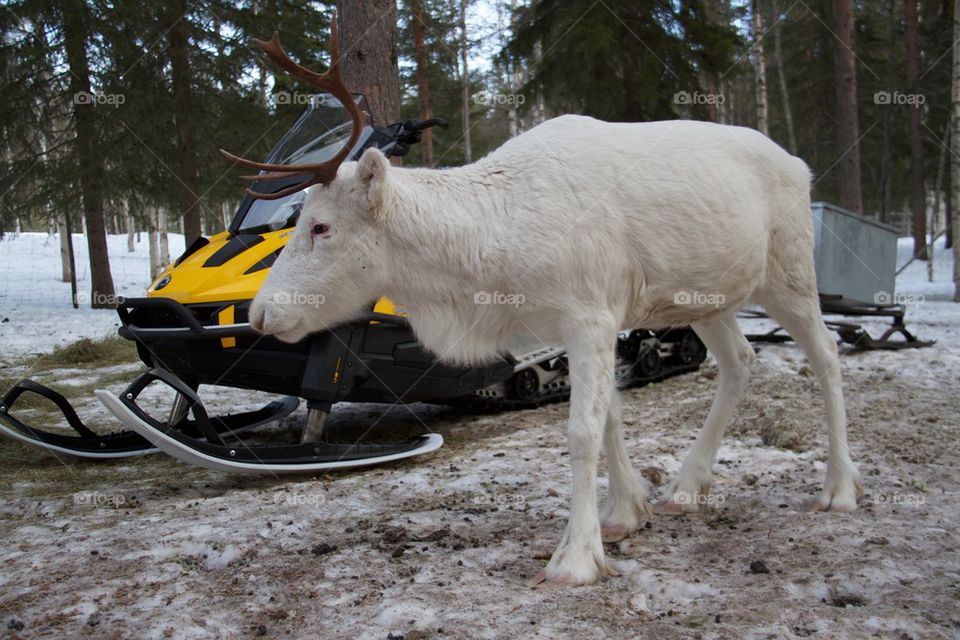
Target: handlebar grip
(432, 122)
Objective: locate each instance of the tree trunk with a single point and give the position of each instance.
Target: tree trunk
(760, 69)
(131, 247)
(368, 46)
(782, 77)
(848, 126)
(715, 13)
(164, 239)
(948, 198)
(513, 71)
(937, 191)
(465, 84)
(71, 260)
(153, 241)
(955, 156)
(423, 81)
(918, 195)
(262, 77)
(886, 161)
(89, 157)
(66, 272)
(540, 113)
(178, 23)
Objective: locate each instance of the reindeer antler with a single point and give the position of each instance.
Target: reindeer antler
(331, 82)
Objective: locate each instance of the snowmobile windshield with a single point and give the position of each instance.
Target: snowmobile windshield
(270, 215)
(317, 135)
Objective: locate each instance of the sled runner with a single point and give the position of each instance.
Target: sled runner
(853, 335)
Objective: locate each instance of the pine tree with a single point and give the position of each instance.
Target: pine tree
(76, 29)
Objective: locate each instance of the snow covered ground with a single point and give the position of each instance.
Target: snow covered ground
(439, 547)
(36, 313)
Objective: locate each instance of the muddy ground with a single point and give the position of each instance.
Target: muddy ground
(440, 546)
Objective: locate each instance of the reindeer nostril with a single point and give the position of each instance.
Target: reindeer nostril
(257, 317)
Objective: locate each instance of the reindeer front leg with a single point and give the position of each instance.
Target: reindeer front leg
(590, 353)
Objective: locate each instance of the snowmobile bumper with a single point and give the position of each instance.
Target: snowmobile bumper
(375, 358)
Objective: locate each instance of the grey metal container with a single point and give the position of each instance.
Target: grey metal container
(855, 256)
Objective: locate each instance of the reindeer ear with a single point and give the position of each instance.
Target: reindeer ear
(372, 172)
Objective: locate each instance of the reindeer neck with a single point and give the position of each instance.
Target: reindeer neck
(445, 235)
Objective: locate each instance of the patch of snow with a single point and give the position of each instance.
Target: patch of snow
(36, 311)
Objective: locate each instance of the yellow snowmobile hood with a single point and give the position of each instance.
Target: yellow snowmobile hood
(227, 269)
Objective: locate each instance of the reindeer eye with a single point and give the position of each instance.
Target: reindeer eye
(320, 229)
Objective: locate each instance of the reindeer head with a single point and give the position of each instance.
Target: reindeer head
(331, 268)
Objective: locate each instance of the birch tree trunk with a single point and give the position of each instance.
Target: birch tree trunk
(937, 188)
(131, 247)
(66, 268)
(955, 156)
(886, 161)
(162, 236)
(262, 77)
(465, 84)
(71, 260)
(513, 117)
(153, 241)
(760, 70)
(918, 192)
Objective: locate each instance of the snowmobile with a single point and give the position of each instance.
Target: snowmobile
(191, 329)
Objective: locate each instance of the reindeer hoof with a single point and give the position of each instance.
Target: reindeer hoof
(549, 579)
(614, 532)
(688, 492)
(622, 519)
(840, 493)
(669, 508)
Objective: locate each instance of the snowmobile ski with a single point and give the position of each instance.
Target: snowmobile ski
(118, 444)
(212, 452)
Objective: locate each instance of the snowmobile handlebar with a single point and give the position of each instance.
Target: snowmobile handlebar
(420, 125)
(409, 132)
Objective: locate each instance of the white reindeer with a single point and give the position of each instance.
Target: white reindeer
(600, 227)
